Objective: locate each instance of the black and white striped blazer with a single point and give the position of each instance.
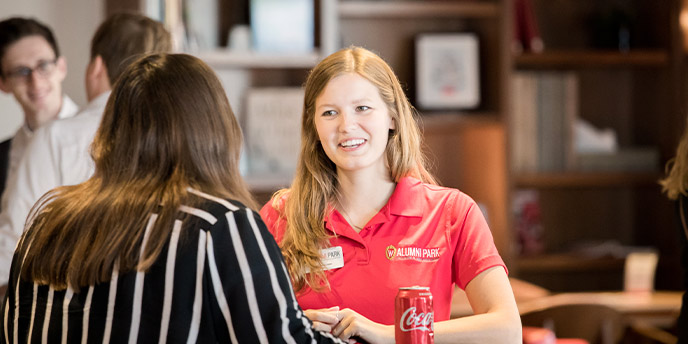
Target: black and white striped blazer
(221, 278)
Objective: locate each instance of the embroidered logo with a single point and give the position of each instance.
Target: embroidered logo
(414, 253)
(390, 252)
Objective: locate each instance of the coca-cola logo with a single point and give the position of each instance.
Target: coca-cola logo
(410, 321)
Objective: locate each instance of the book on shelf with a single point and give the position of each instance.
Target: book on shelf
(527, 32)
(201, 22)
(524, 125)
(545, 105)
(272, 129)
(557, 107)
(547, 134)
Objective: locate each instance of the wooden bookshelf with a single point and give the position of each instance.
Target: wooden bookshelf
(637, 92)
(600, 59)
(584, 179)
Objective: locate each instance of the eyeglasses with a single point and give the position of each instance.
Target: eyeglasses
(43, 68)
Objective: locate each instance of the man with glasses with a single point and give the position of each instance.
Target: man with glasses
(32, 70)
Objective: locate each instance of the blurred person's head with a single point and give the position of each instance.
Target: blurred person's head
(675, 183)
(120, 39)
(31, 68)
(173, 114)
(167, 128)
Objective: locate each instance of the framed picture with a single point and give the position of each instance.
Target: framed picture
(447, 71)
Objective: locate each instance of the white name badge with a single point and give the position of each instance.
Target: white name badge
(332, 257)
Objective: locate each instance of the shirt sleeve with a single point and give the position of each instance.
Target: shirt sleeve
(254, 301)
(34, 177)
(475, 250)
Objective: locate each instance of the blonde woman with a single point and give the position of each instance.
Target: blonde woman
(675, 185)
(364, 217)
(160, 245)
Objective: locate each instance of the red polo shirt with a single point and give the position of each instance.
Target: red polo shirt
(425, 235)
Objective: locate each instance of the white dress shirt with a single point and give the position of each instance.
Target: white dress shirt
(22, 137)
(57, 155)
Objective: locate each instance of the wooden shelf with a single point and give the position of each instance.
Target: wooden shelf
(560, 263)
(449, 123)
(584, 179)
(417, 9)
(255, 60)
(578, 59)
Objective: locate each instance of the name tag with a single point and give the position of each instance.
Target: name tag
(332, 257)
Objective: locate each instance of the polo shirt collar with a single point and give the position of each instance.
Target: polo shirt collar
(407, 198)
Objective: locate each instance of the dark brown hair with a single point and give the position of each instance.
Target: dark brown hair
(125, 36)
(16, 28)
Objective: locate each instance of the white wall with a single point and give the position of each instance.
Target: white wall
(73, 22)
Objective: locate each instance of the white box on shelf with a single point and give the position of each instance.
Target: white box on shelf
(639, 271)
(283, 25)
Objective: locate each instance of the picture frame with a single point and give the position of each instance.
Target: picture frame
(447, 71)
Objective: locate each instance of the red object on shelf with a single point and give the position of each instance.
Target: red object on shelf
(527, 33)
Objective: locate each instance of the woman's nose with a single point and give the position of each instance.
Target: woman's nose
(347, 121)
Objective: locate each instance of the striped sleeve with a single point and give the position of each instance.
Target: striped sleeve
(253, 299)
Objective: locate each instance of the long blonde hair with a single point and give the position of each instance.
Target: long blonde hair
(315, 183)
(167, 126)
(676, 181)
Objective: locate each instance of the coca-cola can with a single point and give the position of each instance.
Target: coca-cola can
(413, 316)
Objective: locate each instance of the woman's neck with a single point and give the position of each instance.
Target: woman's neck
(362, 196)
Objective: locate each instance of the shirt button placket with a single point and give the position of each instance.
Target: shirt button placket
(362, 252)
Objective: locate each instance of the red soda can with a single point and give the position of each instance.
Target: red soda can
(413, 316)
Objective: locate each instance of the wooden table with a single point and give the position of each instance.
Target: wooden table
(659, 308)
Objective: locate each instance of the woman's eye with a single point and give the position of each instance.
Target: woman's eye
(329, 113)
(363, 108)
